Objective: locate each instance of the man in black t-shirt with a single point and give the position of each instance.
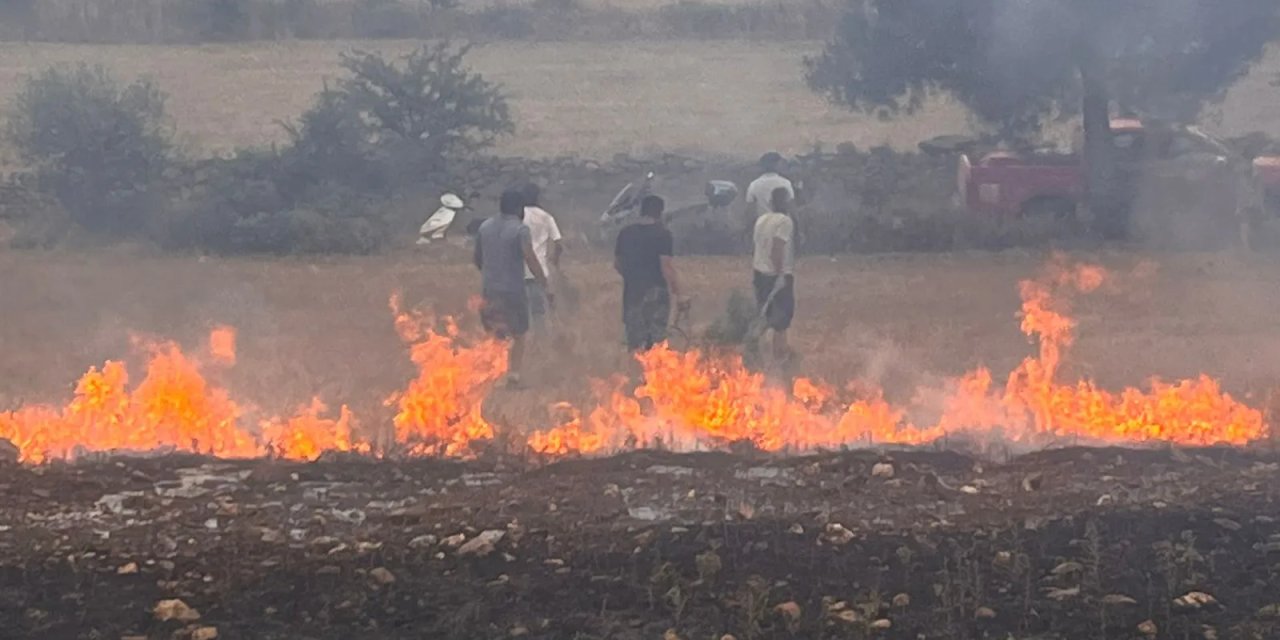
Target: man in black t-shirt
(643, 257)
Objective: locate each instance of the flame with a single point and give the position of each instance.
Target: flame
(687, 400)
(222, 345)
(308, 435)
(440, 411)
(174, 407)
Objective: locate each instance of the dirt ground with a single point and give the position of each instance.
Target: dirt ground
(1063, 544)
(309, 327)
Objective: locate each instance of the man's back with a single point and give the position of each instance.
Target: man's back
(543, 230)
(639, 255)
(500, 242)
(770, 227)
(761, 189)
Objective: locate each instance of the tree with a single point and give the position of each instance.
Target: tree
(97, 146)
(1014, 64)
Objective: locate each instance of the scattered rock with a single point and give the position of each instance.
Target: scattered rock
(1147, 628)
(175, 609)
(1228, 524)
(984, 613)
(837, 534)
(205, 633)
(848, 615)
(519, 631)
(882, 470)
(382, 576)
(882, 624)
(1068, 568)
(482, 545)
(969, 490)
(796, 529)
(1106, 500)
(424, 541)
(901, 600)
(454, 541)
(1063, 594)
(1033, 482)
(1003, 559)
(1269, 611)
(1195, 600)
(670, 635)
(1118, 598)
(128, 569)
(790, 610)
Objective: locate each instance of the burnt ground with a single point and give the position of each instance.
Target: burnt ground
(1069, 543)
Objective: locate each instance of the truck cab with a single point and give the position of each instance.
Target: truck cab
(1010, 184)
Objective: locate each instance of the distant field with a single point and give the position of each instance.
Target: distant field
(595, 99)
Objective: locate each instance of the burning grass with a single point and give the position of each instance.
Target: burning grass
(687, 400)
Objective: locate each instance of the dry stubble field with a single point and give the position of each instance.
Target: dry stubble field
(323, 327)
(586, 98)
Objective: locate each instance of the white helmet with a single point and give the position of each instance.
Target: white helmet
(452, 201)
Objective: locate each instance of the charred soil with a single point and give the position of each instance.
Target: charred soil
(1068, 543)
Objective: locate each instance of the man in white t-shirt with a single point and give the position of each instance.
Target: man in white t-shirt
(773, 264)
(760, 191)
(547, 248)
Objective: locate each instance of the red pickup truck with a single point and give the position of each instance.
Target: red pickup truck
(1009, 184)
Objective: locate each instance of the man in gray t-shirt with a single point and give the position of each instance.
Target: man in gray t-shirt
(504, 248)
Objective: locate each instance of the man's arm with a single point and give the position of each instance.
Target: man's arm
(531, 259)
(669, 274)
(556, 248)
(478, 257)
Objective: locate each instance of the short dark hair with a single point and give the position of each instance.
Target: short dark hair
(770, 161)
(652, 206)
(531, 193)
(779, 199)
(512, 202)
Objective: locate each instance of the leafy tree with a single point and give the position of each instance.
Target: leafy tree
(386, 124)
(99, 147)
(1017, 63)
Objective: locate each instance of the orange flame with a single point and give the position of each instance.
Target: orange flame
(440, 411)
(686, 400)
(222, 345)
(307, 435)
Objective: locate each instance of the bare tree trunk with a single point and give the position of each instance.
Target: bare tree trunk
(1100, 171)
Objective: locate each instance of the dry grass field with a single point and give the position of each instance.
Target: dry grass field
(323, 327)
(594, 99)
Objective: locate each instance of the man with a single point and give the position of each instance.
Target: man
(504, 248)
(760, 191)
(773, 264)
(649, 283)
(545, 234)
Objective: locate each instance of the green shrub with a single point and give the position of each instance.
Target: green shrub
(100, 148)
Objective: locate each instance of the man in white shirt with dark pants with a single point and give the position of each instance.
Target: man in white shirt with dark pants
(773, 265)
(546, 246)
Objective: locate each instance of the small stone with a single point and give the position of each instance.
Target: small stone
(848, 615)
(984, 613)
(423, 542)
(1003, 559)
(837, 534)
(969, 490)
(205, 633)
(1118, 598)
(1068, 568)
(796, 529)
(882, 624)
(454, 541)
(382, 576)
(1147, 628)
(670, 634)
(482, 545)
(882, 470)
(519, 632)
(790, 610)
(902, 600)
(128, 569)
(1195, 600)
(175, 609)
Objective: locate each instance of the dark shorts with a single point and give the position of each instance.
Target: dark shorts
(505, 314)
(783, 308)
(645, 320)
